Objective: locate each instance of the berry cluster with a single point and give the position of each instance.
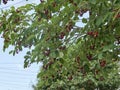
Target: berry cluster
(93, 33)
(48, 64)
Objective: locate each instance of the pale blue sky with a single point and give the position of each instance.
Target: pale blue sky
(12, 74)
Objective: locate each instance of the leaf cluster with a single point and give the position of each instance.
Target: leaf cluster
(73, 57)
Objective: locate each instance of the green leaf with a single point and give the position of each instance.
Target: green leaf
(61, 54)
(84, 20)
(108, 47)
(92, 1)
(100, 56)
(99, 21)
(11, 52)
(31, 37)
(12, 36)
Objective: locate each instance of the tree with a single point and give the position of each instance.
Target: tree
(73, 57)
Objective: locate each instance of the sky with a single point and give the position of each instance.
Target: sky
(12, 74)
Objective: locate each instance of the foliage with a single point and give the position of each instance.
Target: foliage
(73, 57)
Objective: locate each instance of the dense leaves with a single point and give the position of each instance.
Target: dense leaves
(73, 57)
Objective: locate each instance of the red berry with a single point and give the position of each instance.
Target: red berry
(61, 36)
(89, 57)
(118, 15)
(95, 34)
(70, 77)
(102, 63)
(90, 33)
